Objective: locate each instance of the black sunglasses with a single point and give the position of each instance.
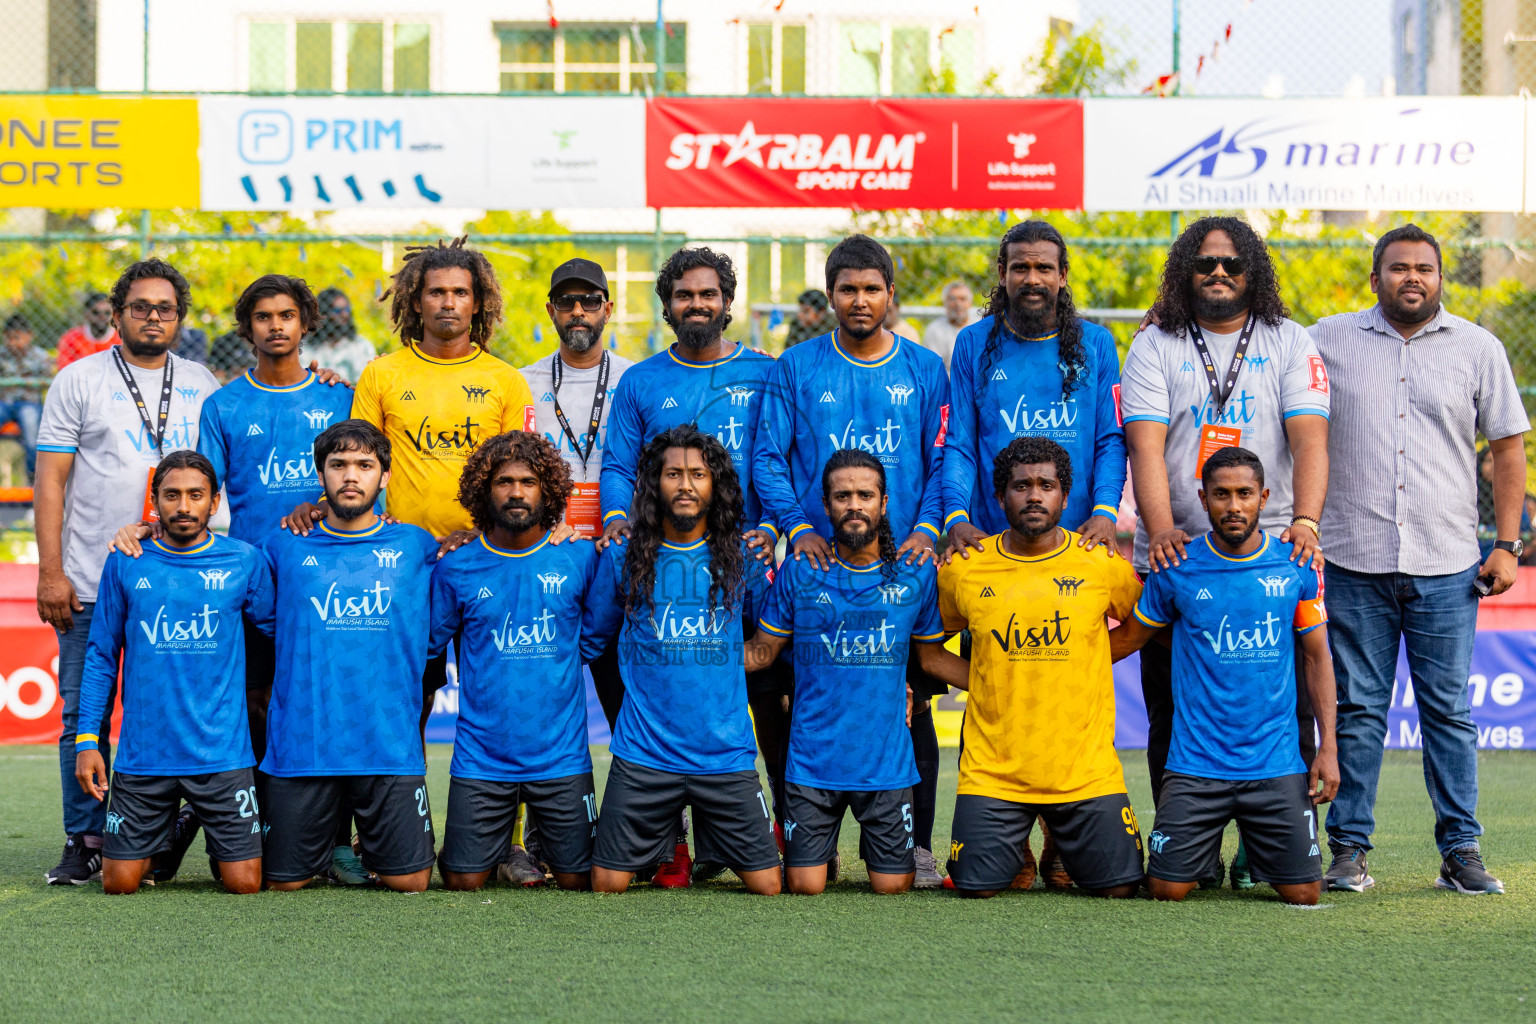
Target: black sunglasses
(591, 302)
(1207, 265)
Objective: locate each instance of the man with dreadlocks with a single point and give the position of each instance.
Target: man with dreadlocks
(675, 595)
(853, 622)
(1221, 366)
(515, 600)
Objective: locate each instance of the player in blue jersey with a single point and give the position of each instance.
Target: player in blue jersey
(353, 619)
(174, 616)
(859, 387)
(851, 623)
(675, 597)
(515, 602)
(714, 384)
(1234, 602)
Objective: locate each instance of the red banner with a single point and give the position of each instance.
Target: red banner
(865, 154)
(30, 708)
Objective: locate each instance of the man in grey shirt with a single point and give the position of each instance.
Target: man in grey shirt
(1413, 385)
(108, 419)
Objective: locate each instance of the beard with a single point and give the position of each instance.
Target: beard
(682, 522)
(1209, 308)
(515, 517)
(580, 337)
(1399, 313)
(868, 533)
(182, 530)
(697, 334)
(1031, 323)
(353, 511)
(861, 333)
(148, 348)
(1017, 521)
(1233, 534)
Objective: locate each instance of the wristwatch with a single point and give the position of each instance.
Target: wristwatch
(1515, 547)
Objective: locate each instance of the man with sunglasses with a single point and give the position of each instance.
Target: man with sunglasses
(1220, 366)
(107, 421)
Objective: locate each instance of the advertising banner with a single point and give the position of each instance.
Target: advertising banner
(82, 152)
(1399, 153)
(864, 153)
(503, 153)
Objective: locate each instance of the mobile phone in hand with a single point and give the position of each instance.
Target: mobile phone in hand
(1483, 584)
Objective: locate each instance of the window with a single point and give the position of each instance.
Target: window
(590, 57)
(339, 56)
(775, 58)
(883, 58)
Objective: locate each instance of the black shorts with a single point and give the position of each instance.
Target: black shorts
(1098, 839)
(813, 817)
(1276, 819)
(393, 819)
(481, 815)
(638, 825)
(141, 810)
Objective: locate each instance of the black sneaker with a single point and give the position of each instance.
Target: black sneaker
(78, 866)
(183, 832)
(1348, 872)
(1463, 871)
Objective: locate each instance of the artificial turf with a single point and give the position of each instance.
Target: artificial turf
(186, 951)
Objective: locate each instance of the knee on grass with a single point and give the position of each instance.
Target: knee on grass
(416, 881)
(1170, 891)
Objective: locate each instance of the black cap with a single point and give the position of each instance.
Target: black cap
(581, 270)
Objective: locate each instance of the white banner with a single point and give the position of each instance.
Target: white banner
(499, 153)
(1399, 153)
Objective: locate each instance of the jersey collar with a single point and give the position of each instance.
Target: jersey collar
(689, 547)
(1065, 543)
(204, 546)
(836, 344)
(514, 552)
(250, 378)
(871, 567)
(446, 362)
(672, 351)
(326, 527)
(1229, 558)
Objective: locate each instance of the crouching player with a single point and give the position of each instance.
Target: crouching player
(174, 616)
(849, 746)
(1234, 750)
(515, 602)
(352, 633)
(1039, 735)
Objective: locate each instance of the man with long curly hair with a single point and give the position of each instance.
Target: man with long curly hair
(514, 601)
(1221, 366)
(675, 596)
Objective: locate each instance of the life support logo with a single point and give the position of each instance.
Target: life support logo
(29, 693)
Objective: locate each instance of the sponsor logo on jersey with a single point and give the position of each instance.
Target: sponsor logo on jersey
(165, 630)
(670, 403)
(731, 433)
(143, 584)
(1052, 632)
(882, 440)
(388, 558)
(548, 397)
(823, 598)
(789, 829)
(670, 624)
(1157, 840)
(900, 393)
(826, 396)
(311, 561)
(484, 593)
(461, 436)
(1259, 363)
(1186, 368)
(338, 604)
(1204, 595)
(1266, 635)
(1319, 373)
(1274, 586)
(892, 593)
(407, 395)
(539, 632)
(318, 419)
(189, 394)
(1058, 415)
(986, 592)
(740, 396)
(1066, 586)
(254, 430)
(845, 644)
(475, 393)
(114, 823)
(1240, 409)
(275, 470)
(551, 581)
(213, 579)
(998, 374)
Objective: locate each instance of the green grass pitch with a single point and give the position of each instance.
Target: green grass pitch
(187, 952)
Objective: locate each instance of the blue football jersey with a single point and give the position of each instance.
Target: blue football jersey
(261, 440)
(353, 624)
(174, 615)
(517, 617)
(723, 398)
(685, 685)
(1234, 663)
(821, 399)
(1014, 390)
(852, 629)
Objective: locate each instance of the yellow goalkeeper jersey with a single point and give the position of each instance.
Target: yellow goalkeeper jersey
(435, 412)
(1040, 718)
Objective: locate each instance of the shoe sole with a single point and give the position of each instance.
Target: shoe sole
(96, 877)
(928, 883)
(1339, 885)
(1443, 883)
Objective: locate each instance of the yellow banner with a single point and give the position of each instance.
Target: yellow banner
(84, 152)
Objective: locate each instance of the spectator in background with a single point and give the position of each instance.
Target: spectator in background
(230, 356)
(336, 343)
(192, 345)
(939, 336)
(22, 404)
(898, 324)
(1487, 526)
(813, 319)
(96, 334)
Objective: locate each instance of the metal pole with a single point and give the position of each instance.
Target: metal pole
(146, 243)
(659, 242)
(146, 45)
(1178, 87)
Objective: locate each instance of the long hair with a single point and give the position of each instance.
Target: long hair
(1174, 309)
(535, 452)
(855, 458)
(727, 565)
(406, 285)
(1072, 358)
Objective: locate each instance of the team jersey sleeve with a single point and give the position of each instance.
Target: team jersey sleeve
(950, 613)
(261, 596)
(211, 442)
(928, 627)
(935, 430)
(621, 453)
(778, 608)
(770, 454)
(517, 404)
(1124, 588)
(366, 402)
(1304, 388)
(63, 414)
(1144, 393)
(1109, 437)
(757, 582)
(447, 613)
(102, 651)
(1310, 612)
(960, 444)
(602, 613)
(1156, 606)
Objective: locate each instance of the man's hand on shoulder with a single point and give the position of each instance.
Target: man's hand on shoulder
(615, 531)
(1098, 530)
(963, 536)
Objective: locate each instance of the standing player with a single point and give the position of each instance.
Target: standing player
(675, 595)
(352, 637)
(851, 623)
(860, 387)
(173, 617)
(1039, 736)
(515, 601)
(1234, 752)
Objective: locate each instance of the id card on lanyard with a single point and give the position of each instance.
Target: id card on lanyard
(155, 431)
(582, 510)
(1215, 436)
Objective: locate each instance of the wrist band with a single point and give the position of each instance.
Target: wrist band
(1308, 522)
